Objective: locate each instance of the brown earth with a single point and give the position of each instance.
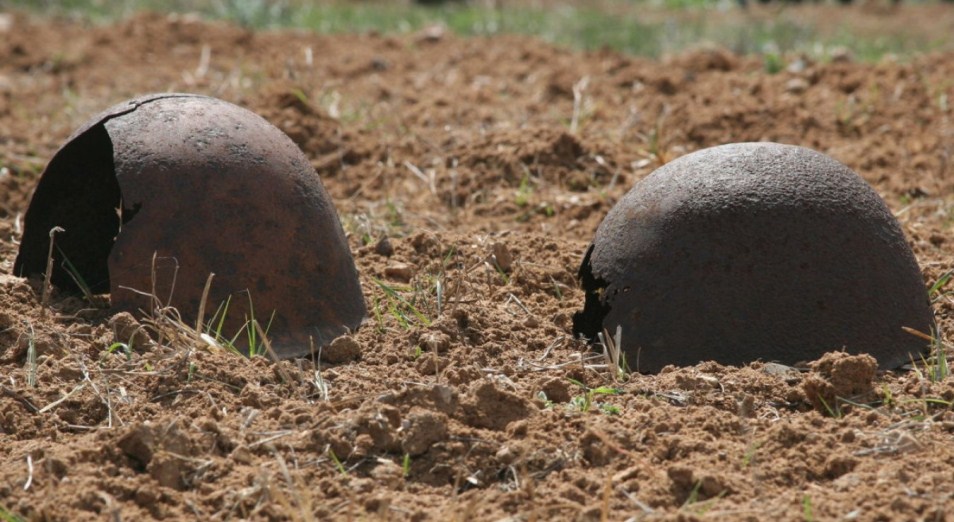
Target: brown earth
(456, 149)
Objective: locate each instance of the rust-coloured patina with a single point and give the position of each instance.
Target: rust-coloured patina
(753, 251)
(205, 187)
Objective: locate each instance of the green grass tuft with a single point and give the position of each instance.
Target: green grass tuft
(585, 401)
(8, 516)
(935, 293)
(403, 310)
(251, 331)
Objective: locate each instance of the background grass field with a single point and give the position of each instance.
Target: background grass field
(647, 28)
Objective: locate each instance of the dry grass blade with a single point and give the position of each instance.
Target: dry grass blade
(579, 90)
(200, 320)
(936, 363)
(271, 353)
(319, 382)
(29, 481)
(47, 285)
(13, 394)
(31, 357)
(63, 399)
(612, 353)
(918, 333)
(427, 179)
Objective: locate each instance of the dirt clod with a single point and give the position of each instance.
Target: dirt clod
(838, 375)
(437, 342)
(384, 247)
(491, 407)
(401, 272)
(140, 443)
(557, 389)
(341, 350)
(420, 430)
(502, 257)
(127, 330)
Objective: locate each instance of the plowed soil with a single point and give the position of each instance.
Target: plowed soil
(445, 155)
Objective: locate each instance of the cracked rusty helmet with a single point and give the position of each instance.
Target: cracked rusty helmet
(157, 193)
(753, 251)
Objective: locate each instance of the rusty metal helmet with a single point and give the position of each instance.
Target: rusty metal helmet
(753, 251)
(205, 187)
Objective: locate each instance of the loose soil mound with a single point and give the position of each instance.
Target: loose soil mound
(483, 165)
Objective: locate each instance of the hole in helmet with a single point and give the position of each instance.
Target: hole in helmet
(79, 193)
(589, 321)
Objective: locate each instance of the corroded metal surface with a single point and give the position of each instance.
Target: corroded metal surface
(206, 187)
(753, 251)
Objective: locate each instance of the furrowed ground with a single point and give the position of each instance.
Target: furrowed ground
(468, 399)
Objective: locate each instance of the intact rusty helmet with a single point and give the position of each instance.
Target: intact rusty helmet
(205, 187)
(753, 251)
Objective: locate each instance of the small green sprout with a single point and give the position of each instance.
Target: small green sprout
(935, 293)
(117, 346)
(399, 307)
(807, 511)
(9, 516)
(406, 465)
(337, 462)
(74, 274)
(750, 452)
(547, 403)
(584, 401)
(524, 191)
